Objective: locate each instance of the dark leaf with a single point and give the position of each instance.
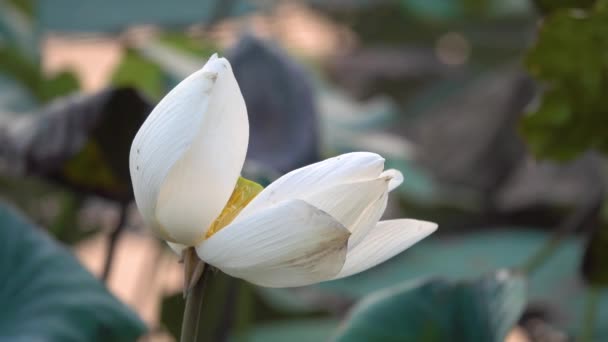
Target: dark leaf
(437, 310)
(549, 184)
(470, 138)
(46, 295)
(82, 141)
(280, 104)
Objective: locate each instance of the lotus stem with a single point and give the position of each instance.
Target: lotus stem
(194, 304)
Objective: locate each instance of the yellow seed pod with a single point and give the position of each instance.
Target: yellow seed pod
(244, 191)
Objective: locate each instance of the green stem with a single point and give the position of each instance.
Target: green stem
(192, 311)
(591, 306)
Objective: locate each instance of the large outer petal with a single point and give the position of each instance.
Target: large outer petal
(187, 156)
(388, 239)
(345, 168)
(290, 244)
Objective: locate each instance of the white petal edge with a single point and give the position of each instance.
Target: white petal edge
(347, 202)
(386, 240)
(290, 244)
(396, 178)
(187, 156)
(368, 220)
(345, 168)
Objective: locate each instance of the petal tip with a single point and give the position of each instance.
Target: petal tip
(426, 228)
(394, 177)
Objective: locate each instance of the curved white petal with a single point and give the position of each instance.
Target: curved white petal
(396, 178)
(388, 239)
(345, 168)
(367, 220)
(347, 202)
(187, 156)
(290, 244)
(372, 214)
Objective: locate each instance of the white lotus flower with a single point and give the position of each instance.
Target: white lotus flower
(317, 223)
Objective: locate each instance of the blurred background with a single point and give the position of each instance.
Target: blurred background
(492, 110)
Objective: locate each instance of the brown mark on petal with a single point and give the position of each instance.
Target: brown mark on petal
(334, 246)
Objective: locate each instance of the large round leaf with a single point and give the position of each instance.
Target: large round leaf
(46, 295)
(437, 310)
(555, 288)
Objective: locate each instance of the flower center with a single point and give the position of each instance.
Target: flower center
(244, 191)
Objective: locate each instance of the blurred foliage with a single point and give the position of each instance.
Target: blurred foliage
(20, 56)
(465, 9)
(26, 7)
(436, 310)
(157, 66)
(48, 205)
(44, 88)
(495, 30)
(48, 296)
(66, 227)
(569, 58)
(117, 15)
(138, 72)
(60, 84)
(187, 44)
(15, 64)
(14, 96)
(547, 6)
(17, 30)
(570, 61)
